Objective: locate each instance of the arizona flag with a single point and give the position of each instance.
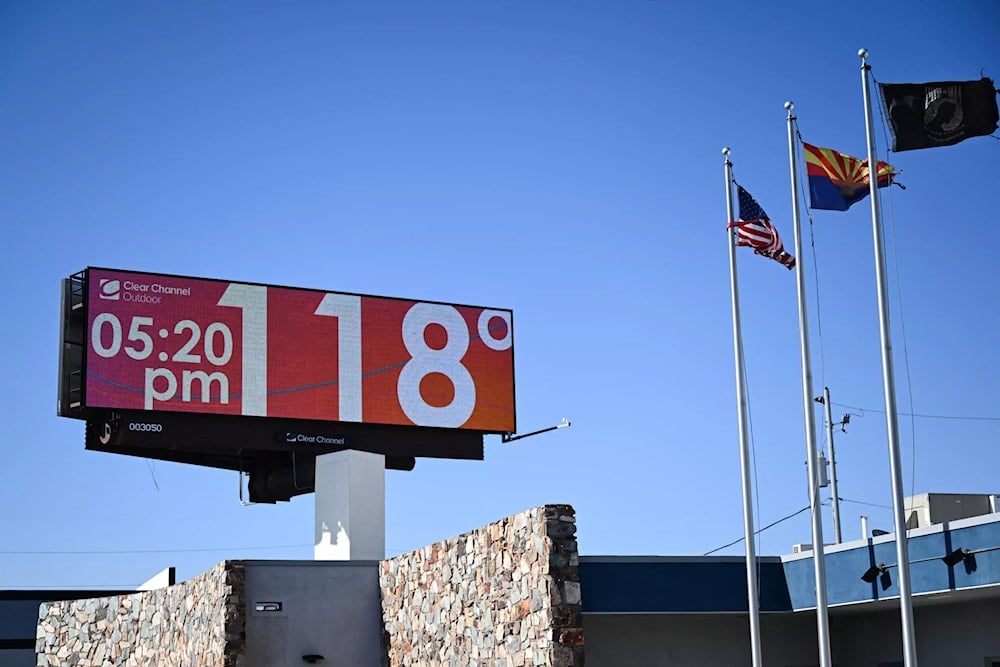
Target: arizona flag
(836, 180)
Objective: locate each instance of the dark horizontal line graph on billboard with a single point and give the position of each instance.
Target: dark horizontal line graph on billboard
(270, 392)
(159, 342)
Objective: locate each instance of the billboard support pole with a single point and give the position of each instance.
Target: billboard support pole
(350, 506)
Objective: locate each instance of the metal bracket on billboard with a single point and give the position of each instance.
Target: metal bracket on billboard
(510, 437)
(295, 477)
(244, 502)
(246, 498)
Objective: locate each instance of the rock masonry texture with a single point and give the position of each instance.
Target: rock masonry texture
(504, 595)
(199, 622)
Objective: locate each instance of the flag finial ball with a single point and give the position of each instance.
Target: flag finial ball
(788, 106)
(862, 53)
(725, 150)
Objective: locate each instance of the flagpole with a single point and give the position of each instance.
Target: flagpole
(889, 386)
(753, 603)
(819, 562)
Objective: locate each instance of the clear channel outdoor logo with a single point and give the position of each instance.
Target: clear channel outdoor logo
(291, 438)
(110, 289)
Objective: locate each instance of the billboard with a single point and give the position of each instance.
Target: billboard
(162, 343)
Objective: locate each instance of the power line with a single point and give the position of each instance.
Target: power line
(147, 551)
(914, 414)
(758, 532)
(69, 587)
(861, 502)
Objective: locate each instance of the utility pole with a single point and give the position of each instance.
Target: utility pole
(825, 400)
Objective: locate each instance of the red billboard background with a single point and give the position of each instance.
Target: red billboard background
(157, 342)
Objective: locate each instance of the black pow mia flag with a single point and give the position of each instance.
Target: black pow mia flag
(942, 113)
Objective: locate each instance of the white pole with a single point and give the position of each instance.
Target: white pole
(753, 604)
(350, 506)
(835, 500)
(889, 386)
(819, 564)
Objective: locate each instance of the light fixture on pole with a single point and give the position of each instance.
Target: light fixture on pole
(880, 572)
(955, 557)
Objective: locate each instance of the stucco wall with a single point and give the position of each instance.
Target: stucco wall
(327, 608)
(504, 595)
(199, 622)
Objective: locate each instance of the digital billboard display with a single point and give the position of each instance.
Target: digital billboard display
(157, 342)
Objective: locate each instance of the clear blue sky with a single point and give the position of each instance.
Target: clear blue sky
(561, 159)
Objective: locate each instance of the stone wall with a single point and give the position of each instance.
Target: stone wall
(504, 595)
(199, 622)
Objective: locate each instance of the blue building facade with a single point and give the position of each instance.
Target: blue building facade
(692, 611)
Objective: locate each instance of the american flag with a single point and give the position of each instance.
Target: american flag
(754, 229)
